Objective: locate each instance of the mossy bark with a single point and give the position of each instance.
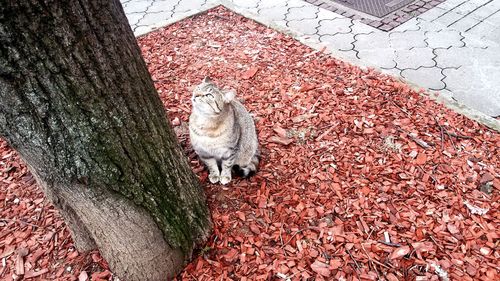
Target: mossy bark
(79, 105)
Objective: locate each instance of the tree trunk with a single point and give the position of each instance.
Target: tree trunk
(79, 105)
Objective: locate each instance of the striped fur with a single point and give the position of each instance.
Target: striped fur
(222, 133)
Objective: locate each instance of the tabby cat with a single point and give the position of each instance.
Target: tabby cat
(222, 133)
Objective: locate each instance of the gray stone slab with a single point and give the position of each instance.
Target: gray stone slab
(444, 39)
(469, 6)
(432, 14)
(407, 39)
(327, 15)
(448, 18)
(342, 42)
(270, 4)
(375, 40)
(383, 58)
(134, 18)
(308, 12)
(414, 58)
(358, 28)
(154, 18)
(334, 26)
(408, 25)
(277, 13)
(188, 5)
(246, 3)
(307, 26)
(464, 24)
(425, 77)
(475, 42)
(161, 6)
(137, 6)
(296, 3)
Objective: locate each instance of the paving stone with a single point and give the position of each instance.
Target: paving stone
(274, 3)
(409, 25)
(407, 39)
(450, 4)
(432, 14)
(464, 24)
(444, 39)
(188, 5)
(429, 25)
(246, 3)
(475, 42)
(274, 13)
(308, 12)
(358, 28)
(383, 58)
(469, 6)
(414, 58)
(375, 40)
(304, 26)
(486, 11)
(161, 6)
(342, 42)
(339, 25)
(448, 18)
(459, 57)
(134, 18)
(296, 3)
(137, 6)
(155, 18)
(324, 14)
(488, 30)
(429, 78)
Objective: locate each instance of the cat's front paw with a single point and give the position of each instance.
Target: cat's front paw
(225, 179)
(214, 178)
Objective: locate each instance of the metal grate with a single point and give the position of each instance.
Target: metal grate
(378, 8)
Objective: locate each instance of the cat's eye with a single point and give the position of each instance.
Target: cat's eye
(209, 96)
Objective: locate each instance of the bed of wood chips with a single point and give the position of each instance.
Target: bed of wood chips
(361, 177)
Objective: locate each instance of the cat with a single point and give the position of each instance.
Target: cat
(222, 133)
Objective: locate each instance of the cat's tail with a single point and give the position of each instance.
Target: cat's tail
(250, 169)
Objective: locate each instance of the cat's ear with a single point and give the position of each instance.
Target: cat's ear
(229, 96)
(207, 80)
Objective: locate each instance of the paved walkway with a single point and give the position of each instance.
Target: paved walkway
(453, 48)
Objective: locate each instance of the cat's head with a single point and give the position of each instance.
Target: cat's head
(209, 99)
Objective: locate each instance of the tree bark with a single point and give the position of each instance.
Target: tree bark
(79, 105)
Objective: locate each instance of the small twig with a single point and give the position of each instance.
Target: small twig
(432, 177)
(452, 142)
(370, 260)
(443, 131)
(433, 240)
(400, 108)
(295, 234)
(419, 141)
(459, 136)
(389, 243)
(370, 234)
(18, 220)
(355, 261)
(281, 237)
(442, 138)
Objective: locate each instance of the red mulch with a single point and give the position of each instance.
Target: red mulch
(350, 158)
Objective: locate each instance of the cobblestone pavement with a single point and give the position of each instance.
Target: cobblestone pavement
(454, 48)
